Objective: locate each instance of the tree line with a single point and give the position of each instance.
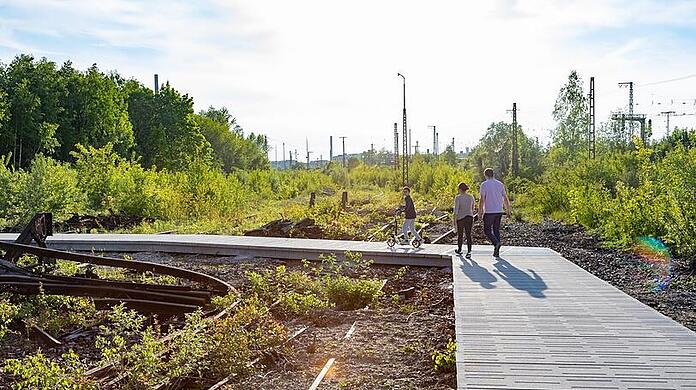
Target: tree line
(49, 110)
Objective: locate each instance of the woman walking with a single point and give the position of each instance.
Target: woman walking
(463, 217)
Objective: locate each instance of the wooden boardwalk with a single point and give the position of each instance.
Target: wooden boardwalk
(528, 320)
(533, 320)
(281, 248)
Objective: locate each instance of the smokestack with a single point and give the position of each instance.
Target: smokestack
(156, 83)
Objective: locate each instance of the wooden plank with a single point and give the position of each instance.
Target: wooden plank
(532, 319)
(283, 248)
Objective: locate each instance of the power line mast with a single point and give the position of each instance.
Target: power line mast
(308, 152)
(396, 146)
(406, 140)
(514, 140)
(330, 148)
(434, 139)
(285, 164)
(344, 150)
(667, 114)
(592, 136)
(416, 150)
(629, 85)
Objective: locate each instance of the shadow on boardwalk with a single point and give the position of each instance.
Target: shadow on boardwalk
(478, 274)
(533, 284)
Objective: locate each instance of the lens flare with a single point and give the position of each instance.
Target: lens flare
(655, 253)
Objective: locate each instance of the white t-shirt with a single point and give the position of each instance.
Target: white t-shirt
(493, 193)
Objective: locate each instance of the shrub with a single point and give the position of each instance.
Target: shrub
(50, 186)
(8, 312)
(446, 361)
(39, 372)
(349, 293)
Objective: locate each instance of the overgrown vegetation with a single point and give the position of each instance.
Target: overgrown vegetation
(198, 347)
(316, 287)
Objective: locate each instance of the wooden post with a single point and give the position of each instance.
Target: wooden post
(312, 199)
(344, 199)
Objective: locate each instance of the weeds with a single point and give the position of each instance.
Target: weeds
(446, 361)
(39, 372)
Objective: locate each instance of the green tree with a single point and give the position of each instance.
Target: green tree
(494, 150)
(95, 112)
(232, 149)
(570, 113)
(166, 131)
(32, 108)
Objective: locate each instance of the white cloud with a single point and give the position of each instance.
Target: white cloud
(317, 68)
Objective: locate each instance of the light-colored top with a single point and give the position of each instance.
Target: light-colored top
(463, 206)
(493, 195)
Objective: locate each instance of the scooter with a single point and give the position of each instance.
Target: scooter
(391, 241)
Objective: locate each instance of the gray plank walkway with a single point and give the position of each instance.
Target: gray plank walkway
(534, 320)
(282, 248)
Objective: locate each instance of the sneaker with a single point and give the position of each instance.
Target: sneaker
(496, 250)
(458, 251)
(468, 255)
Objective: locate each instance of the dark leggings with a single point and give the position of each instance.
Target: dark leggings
(464, 225)
(491, 227)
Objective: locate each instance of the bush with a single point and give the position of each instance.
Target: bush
(39, 372)
(8, 312)
(349, 293)
(50, 186)
(446, 361)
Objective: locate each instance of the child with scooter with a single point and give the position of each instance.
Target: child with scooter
(409, 210)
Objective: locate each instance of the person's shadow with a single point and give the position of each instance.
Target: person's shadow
(478, 274)
(519, 279)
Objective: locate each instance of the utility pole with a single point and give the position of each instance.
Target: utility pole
(410, 145)
(285, 164)
(290, 152)
(628, 84)
(330, 148)
(396, 146)
(592, 130)
(515, 150)
(416, 152)
(453, 144)
(307, 149)
(434, 139)
(344, 150)
(406, 140)
(667, 114)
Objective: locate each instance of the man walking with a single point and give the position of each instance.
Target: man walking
(493, 199)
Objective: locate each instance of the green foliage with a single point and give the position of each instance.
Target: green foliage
(232, 149)
(8, 312)
(494, 150)
(303, 291)
(570, 112)
(446, 361)
(56, 313)
(349, 293)
(49, 186)
(39, 372)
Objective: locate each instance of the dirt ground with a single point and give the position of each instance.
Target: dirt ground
(390, 347)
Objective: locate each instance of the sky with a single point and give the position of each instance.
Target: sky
(300, 71)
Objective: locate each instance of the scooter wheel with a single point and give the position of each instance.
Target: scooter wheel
(416, 243)
(391, 242)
